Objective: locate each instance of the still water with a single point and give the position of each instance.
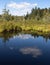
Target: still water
(24, 49)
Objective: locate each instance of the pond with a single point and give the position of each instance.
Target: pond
(24, 49)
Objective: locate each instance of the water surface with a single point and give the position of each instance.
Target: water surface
(24, 49)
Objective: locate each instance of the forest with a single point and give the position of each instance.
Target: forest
(38, 20)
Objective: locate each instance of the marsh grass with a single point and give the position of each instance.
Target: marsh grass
(19, 26)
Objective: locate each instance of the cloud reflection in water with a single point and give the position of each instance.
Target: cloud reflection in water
(24, 36)
(35, 52)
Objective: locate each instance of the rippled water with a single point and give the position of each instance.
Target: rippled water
(25, 49)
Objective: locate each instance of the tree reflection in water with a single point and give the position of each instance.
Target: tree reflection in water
(7, 36)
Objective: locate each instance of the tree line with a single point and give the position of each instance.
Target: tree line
(36, 14)
(39, 14)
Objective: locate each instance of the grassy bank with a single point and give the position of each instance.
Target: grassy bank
(12, 26)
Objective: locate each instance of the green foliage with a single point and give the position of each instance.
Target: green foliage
(38, 14)
(6, 15)
(37, 20)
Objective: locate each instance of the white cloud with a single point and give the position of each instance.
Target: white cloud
(21, 5)
(21, 8)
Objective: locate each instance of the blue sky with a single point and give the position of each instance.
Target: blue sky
(21, 7)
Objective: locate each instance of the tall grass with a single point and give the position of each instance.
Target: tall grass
(27, 25)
